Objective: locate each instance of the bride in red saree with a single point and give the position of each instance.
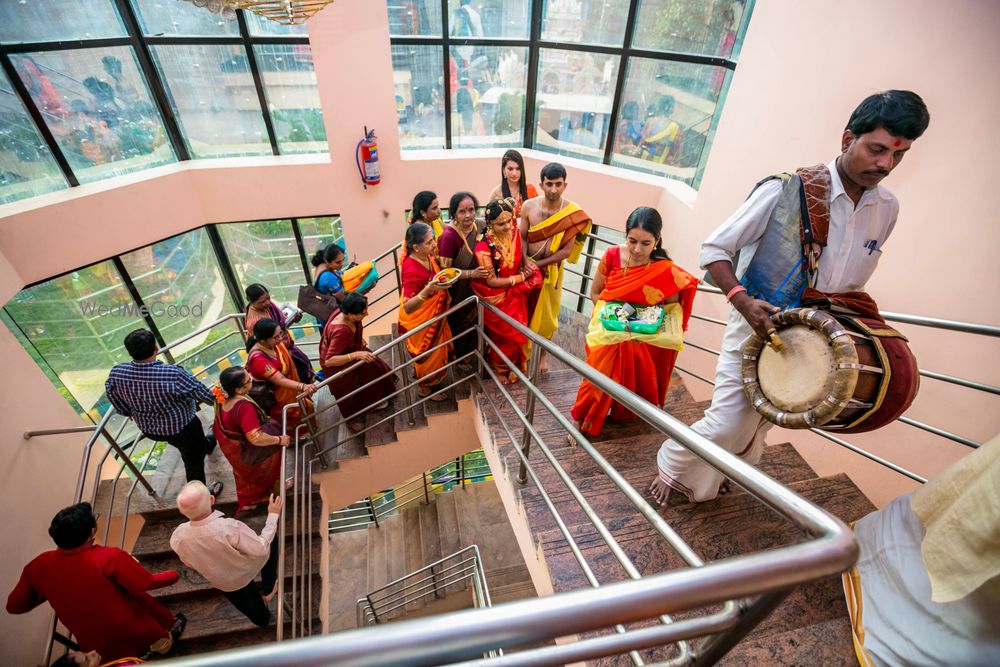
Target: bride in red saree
(507, 286)
(638, 273)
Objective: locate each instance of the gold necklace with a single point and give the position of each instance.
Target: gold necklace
(505, 249)
(626, 266)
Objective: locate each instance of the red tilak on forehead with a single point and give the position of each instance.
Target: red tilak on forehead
(898, 143)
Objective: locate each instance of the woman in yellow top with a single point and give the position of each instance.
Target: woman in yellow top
(427, 209)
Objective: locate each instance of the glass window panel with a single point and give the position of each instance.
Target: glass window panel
(487, 104)
(320, 232)
(27, 167)
(573, 103)
(690, 26)
(265, 252)
(180, 282)
(292, 97)
(489, 18)
(177, 17)
(77, 324)
(414, 18)
(667, 117)
(214, 99)
(97, 105)
(23, 21)
(260, 26)
(416, 77)
(585, 21)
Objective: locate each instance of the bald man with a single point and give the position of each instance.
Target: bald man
(227, 552)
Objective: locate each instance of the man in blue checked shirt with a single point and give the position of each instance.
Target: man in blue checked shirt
(163, 401)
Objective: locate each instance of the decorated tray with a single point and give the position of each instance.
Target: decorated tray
(618, 316)
(447, 277)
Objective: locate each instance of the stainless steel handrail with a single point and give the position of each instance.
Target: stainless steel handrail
(413, 586)
(906, 318)
(28, 435)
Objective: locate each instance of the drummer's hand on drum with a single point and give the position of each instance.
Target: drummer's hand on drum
(757, 313)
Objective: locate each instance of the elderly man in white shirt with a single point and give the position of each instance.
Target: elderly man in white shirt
(862, 215)
(227, 552)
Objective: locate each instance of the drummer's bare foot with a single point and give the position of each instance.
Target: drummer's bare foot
(660, 491)
(543, 362)
(570, 440)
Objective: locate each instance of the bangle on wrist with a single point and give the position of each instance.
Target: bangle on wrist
(733, 292)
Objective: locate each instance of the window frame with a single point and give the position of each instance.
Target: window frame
(534, 43)
(140, 45)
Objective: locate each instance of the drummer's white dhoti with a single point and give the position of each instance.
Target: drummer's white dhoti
(731, 422)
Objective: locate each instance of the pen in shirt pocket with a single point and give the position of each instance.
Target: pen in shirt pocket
(871, 245)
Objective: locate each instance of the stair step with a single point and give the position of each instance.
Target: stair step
(395, 545)
(215, 624)
(192, 584)
(378, 564)
(430, 530)
(447, 516)
(167, 481)
(412, 554)
(347, 577)
(154, 539)
(829, 644)
(716, 530)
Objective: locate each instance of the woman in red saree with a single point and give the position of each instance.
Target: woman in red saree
(343, 344)
(268, 360)
(260, 306)
(422, 300)
(248, 438)
(639, 273)
(507, 286)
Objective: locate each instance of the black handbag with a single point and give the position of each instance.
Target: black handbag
(262, 394)
(319, 305)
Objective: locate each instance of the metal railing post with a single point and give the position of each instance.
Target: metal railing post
(591, 243)
(127, 462)
(407, 391)
(460, 468)
(427, 495)
(371, 511)
(480, 332)
(529, 412)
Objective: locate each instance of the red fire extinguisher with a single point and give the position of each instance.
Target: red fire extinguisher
(366, 155)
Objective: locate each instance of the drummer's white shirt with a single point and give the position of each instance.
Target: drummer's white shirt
(854, 244)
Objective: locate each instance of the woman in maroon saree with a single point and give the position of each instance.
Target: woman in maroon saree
(342, 345)
(248, 438)
(507, 286)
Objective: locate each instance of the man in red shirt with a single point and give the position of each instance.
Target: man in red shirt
(98, 593)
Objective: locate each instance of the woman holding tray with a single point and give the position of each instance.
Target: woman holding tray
(638, 273)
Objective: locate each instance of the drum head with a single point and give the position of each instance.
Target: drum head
(799, 378)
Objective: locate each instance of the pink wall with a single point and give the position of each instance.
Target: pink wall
(791, 96)
(804, 67)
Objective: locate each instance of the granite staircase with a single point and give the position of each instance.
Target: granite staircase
(809, 628)
(213, 623)
(354, 446)
(365, 560)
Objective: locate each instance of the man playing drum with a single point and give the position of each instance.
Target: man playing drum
(861, 215)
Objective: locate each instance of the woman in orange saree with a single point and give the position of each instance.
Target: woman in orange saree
(268, 360)
(422, 300)
(638, 273)
(507, 286)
